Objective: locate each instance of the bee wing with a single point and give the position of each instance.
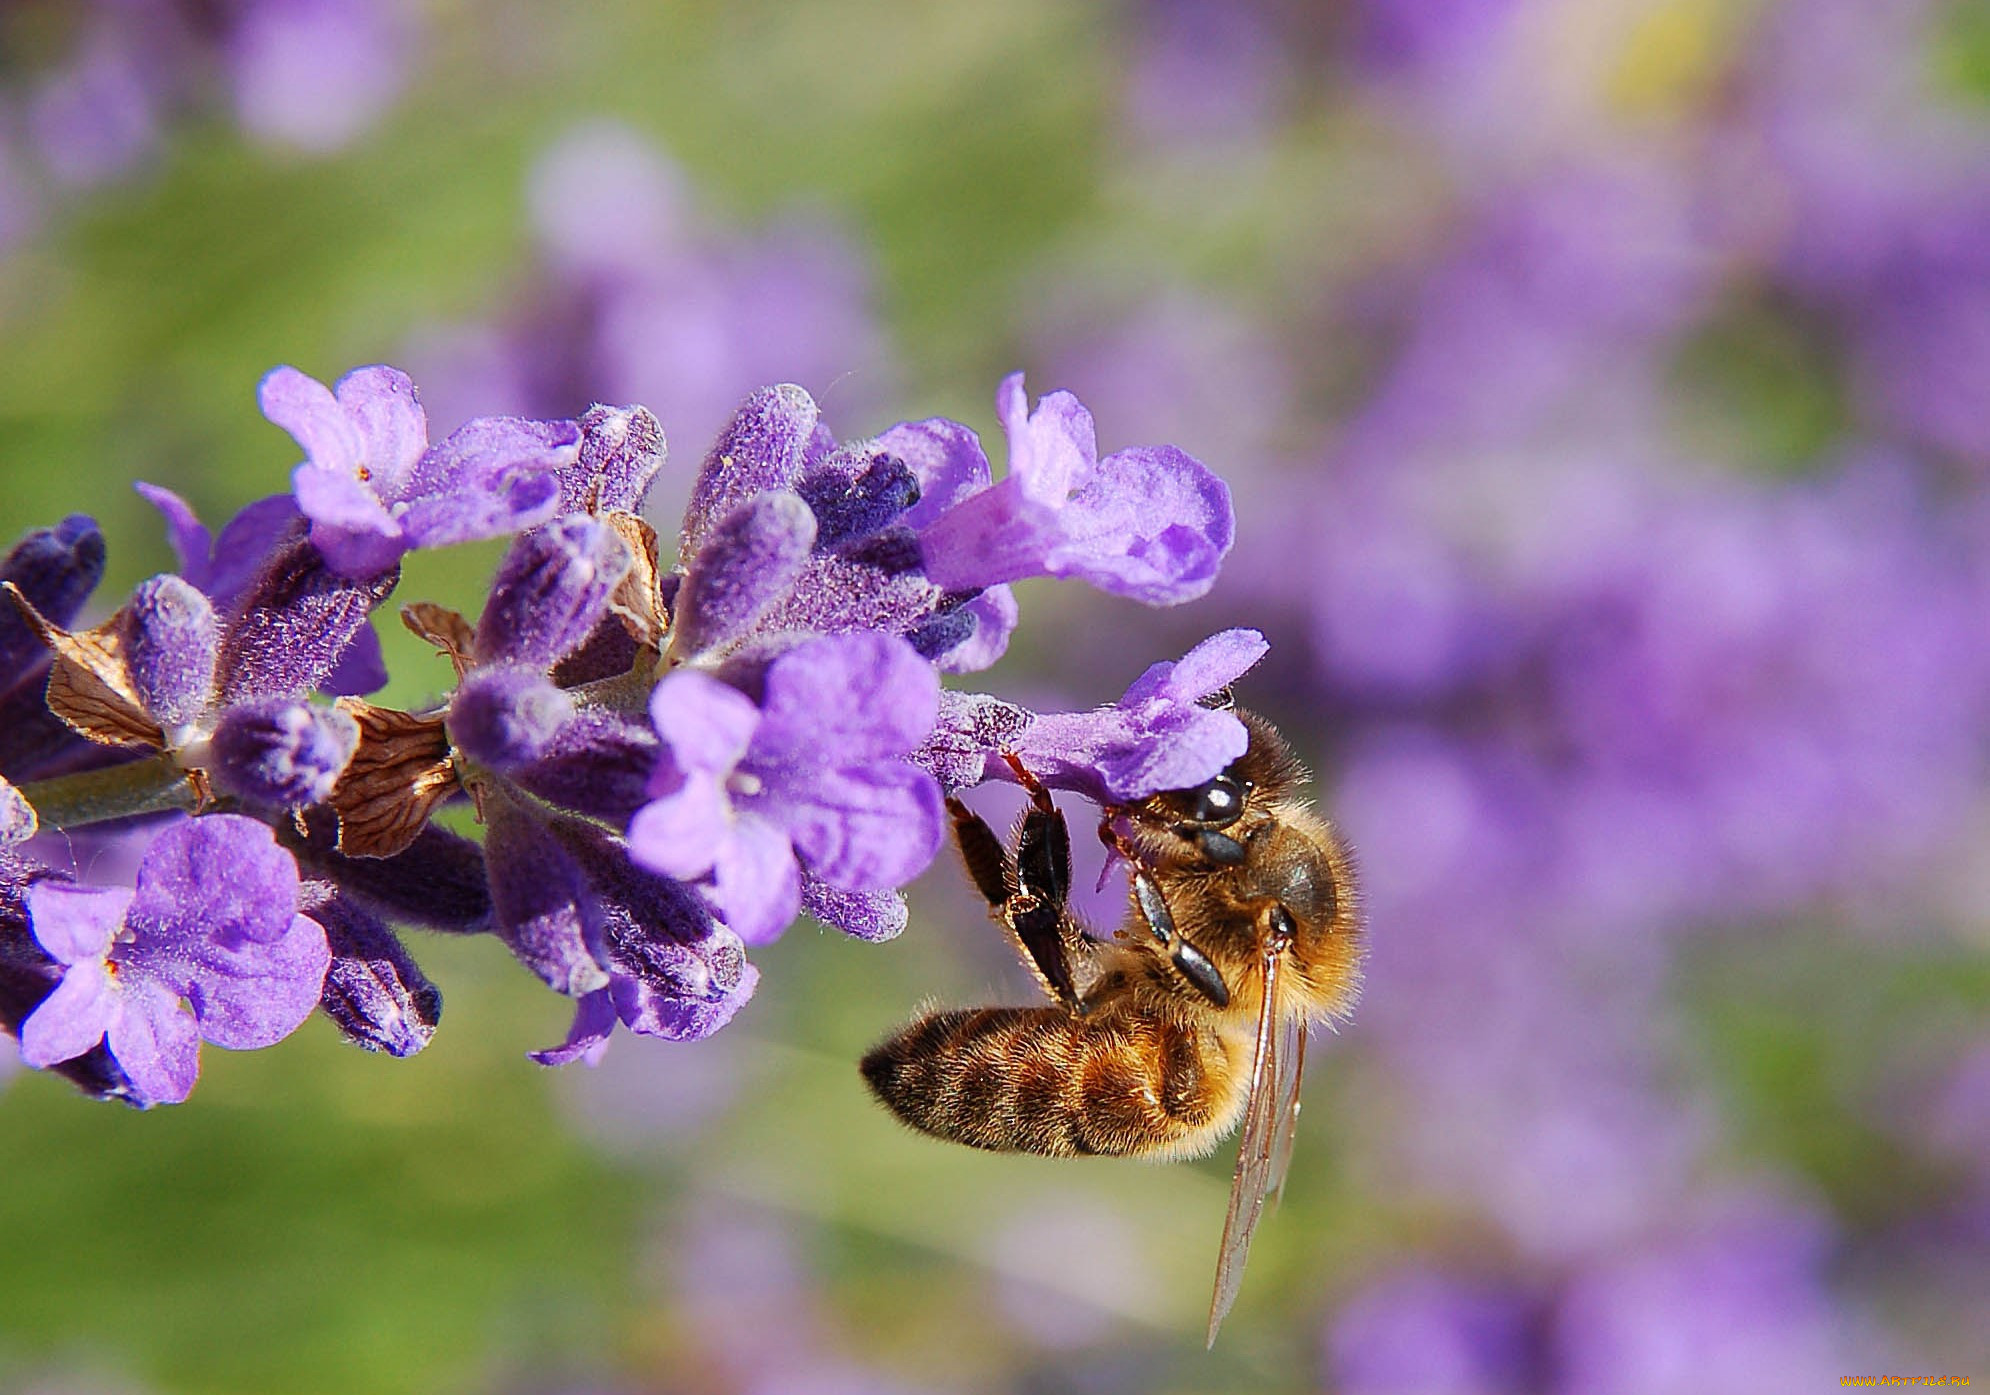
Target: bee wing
(1292, 1063)
(1256, 1153)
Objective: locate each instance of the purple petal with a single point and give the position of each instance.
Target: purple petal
(587, 1038)
(360, 668)
(491, 476)
(352, 528)
(306, 408)
(1212, 665)
(679, 1019)
(947, 460)
(682, 834)
(995, 614)
(1152, 525)
(192, 544)
(868, 829)
(749, 561)
(971, 729)
(1195, 748)
(73, 1018)
(156, 1043)
(758, 884)
(845, 698)
(996, 536)
(247, 542)
(283, 751)
(76, 923)
(219, 880)
(763, 447)
(1052, 450)
(384, 409)
(170, 638)
(868, 915)
(249, 994)
(707, 724)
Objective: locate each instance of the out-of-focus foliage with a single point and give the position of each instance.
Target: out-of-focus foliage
(1606, 389)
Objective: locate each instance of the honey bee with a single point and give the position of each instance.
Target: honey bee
(1242, 928)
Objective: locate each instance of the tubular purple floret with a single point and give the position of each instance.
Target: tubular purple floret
(282, 752)
(622, 449)
(57, 569)
(438, 882)
(293, 624)
(749, 562)
(552, 589)
(171, 636)
(544, 909)
(375, 994)
(598, 764)
(507, 716)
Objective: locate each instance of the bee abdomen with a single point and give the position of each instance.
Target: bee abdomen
(1038, 1080)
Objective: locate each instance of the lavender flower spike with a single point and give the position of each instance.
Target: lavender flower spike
(374, 488)
(1151, 523)
(813, 777)
(213, 921)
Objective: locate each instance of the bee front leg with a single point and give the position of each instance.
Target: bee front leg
(1191, 963)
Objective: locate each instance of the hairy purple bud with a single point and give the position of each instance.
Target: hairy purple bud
(293, 624)
(621, 451)
(598, 764)
(551, 590)
(869, 915)
(374, 992)
(170, 636)
(506, 716)
(282, 751)
(56, 569)
(545, 912)
(764, 446)
(749, 562)
(437, 881)
(654, 929)
(851, 503)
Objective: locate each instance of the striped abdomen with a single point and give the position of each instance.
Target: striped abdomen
(1040, 1080)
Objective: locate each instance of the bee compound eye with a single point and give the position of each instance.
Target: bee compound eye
(1216, 803)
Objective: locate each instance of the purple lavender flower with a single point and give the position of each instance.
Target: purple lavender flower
(374, 488)
(1150, 523)
(213, 921)
(316, 74)
(1157, 737)
(812, 777)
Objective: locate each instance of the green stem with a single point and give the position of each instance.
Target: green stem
(114, 792)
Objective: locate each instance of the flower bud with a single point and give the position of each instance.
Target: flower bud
(56, 569)
(293, 624)
(506, 716)
(551, 589)
(170, 637)
(621, 451)
(762, 447)
(749, 561)
(374, 992)
(282, 751)
(544, 909)
(598, 764)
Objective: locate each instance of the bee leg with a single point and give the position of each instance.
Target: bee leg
(1028, 892)
(1191, 963)
(988, 862)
